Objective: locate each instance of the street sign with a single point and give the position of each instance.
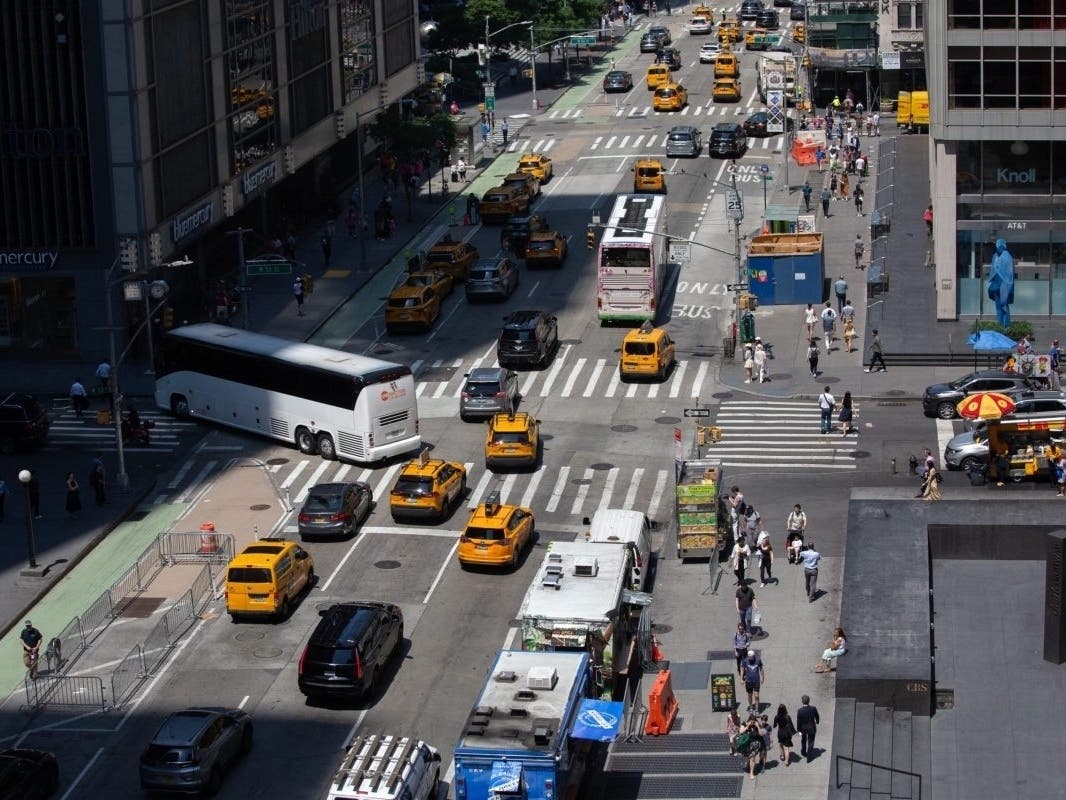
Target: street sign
(490, 103)
(680, 251)
(736, 287)
(697, 412)
(734, 204)
(764, 169)
(582, 41)
(490, 89)
(259, 269)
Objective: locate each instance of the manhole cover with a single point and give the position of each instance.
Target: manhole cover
(249, 636)
(667, 420)
(722, 395)
(267, 652)
(259, 507)
(276, 462)
(137, 516)
(601, 465)
(387, 564)
(860, 454)
(623, 428)
(581, 482)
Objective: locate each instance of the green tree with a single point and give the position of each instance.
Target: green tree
(405, 137)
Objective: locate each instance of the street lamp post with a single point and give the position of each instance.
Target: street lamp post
(25, 476)
(116, 398)
(533, 67)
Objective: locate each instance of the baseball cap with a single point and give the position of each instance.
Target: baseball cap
(29, 624)
(751, 652)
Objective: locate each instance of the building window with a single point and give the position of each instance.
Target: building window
(358, 64)
(251, 73)
(1034, 77)
(399, 47)
(903, 16)
(919, 16)
(310, 89)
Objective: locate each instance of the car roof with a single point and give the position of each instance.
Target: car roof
(409, 290)
(184, 727)
(329, 488)
(486, 374)
(543, 235)
(727, 126)
(345, 619)
(446, 246)
(488, 263)
(519, 421)
(523, 318)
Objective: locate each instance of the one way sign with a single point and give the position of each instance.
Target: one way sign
(697, 412)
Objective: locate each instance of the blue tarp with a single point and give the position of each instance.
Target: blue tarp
(991, 342)
(597, 720)
(506, 776)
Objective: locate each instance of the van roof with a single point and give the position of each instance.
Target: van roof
(607, 520)
(376, 767)
(261, 553)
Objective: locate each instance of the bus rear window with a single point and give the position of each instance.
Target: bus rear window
(623, 257)
(249, 575)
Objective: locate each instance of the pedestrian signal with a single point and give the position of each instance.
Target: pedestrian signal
(590, 239)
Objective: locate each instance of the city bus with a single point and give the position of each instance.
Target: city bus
(632, 259)
(324, 401)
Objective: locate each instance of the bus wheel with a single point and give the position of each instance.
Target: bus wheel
(179, 406)
(326, 448)
(305, 441)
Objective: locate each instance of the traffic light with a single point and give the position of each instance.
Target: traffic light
(168, 318)
(128, 254)
(590, 238)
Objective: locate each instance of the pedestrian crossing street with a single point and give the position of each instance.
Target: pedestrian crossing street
(85, 433)
(781, 435)
(568, 491)
(567, 376)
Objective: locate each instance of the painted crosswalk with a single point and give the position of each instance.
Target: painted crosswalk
(86, 432)
(780, 435)
(542, 146)
(569, 491)
(568, 113)
(568, 375)
(645, 142)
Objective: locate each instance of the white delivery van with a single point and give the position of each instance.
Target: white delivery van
(387, 768)
(614, 526)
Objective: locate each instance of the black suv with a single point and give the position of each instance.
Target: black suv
(768, 18)
(728, 139)
(23, 422)
(516, 230)
(348, 649)
(750, 9)
(661, 32)
(528, 338)
(670, 56)
(940, 399)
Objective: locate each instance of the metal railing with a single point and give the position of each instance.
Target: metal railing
(182, 547)
(128, 675)
(162, 638)
(891, 793)
(65, 690)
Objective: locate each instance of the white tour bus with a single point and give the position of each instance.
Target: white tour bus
(326, 401)
(633, 259)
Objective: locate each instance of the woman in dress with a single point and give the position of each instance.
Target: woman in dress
(73, 497)
(786, 729)
(847, 414)
(810, 319)
(931, 487)
(733, 723)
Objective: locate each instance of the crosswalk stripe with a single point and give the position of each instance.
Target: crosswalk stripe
(386, 482)
(572, 379)
(613, 385)
(557, 490)
(318, 473)
(679, 375)
(596, 143)
(608, 489)
(625, 140)
(553, 373)
(631, 390)
(657, 493)
(685, 110)
(582, 490)
(637, 141)
(531, 487)
(779, 435)
(479, 490)
(527, 384)
(595, 376)
(291, 479)
(701, 373)
(548, 146)
(634, 485)
(508, 485)
(611, 141)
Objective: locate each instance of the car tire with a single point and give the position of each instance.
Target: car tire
(179, 406)
(305, 441)
(945, 410)
(312, 579)
(968, 463)
(514, 559)
(326, 447)
(284, 610)
(371, 684)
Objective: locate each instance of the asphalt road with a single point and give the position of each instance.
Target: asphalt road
(606, 444)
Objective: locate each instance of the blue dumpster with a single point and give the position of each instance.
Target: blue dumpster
(786, 268)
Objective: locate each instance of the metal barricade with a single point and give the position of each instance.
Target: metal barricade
(202, 589)
(161, 639)
(184, 548)
(97, 617)
(128, 675)
(65, 690)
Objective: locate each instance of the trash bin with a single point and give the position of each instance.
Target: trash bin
(978, 472)
(747, 327)
(729, 347)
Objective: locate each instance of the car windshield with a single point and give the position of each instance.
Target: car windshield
(493, 534)
(510, 437)
(249, 575)
(497, 198)
(167, 754)
(481, 388)
(961, 382)
(640, 349)
(680, 137)
(403, 302)
(420, 280)
(665, 93)
(323, 502)
(444, 258)
(518, 183)
(483, 274)
(542, 244)
(413, 485)
(531, 164)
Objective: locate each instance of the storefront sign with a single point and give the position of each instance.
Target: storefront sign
(1019, 176)
(889, 60)
(36, 260)
(256, 179)
(183, 227)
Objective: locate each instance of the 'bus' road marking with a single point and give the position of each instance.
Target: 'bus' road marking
(634, 484)
(557, 490)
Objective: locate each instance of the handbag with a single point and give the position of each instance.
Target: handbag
(742, 740)
(756, 619)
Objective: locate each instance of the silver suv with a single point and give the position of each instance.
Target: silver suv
(684, 140)
(194, 748)
(488, 391)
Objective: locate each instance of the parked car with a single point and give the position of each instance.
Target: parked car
(335, 509)
(27, 774)
(940, 399)
(757, 124)
(529, 338)
(488, 391)
(968, 447)
(194, 748)
(23, 422)
(684, 140)
(348, 649)
(617, 80)
(492, 279)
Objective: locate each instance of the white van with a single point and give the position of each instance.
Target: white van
(614, 525)
(387, 768)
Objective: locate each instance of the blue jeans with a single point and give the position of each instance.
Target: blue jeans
(827, 420)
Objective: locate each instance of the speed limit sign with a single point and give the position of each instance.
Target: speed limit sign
(734, 204)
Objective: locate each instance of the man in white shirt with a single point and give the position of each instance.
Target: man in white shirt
(826, 404)
(79, 398)
(103, 374)
(829, 321)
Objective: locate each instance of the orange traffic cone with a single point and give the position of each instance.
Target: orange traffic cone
(656, 653)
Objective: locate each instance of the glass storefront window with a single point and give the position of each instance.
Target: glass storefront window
(251, 72)
(37, 315)
(358, 61)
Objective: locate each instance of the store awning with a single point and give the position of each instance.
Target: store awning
(598, 720)
(506, 776)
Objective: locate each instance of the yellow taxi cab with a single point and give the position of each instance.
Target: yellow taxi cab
(501, 202)
(266, 577)
(545, 249)
(525, 182)
(728, 31)
(512, 440)
(657, 75)
(756, 39)
(411, 306)
(672, 97)
(649, 175)
(647, 352)
(799, 33)
(427, 488)
(726, 65)
(536, 164)
(436, 279)
(496, 534)
(727, 89)
(703, 11)
(453, 257)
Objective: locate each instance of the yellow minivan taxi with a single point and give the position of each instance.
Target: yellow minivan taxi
(648, 175)
(647, 352)
(428, 488)
(726, 66)
(672, 97)
(266, 577)
(496, 534)
(657, 75)
(512, 440)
